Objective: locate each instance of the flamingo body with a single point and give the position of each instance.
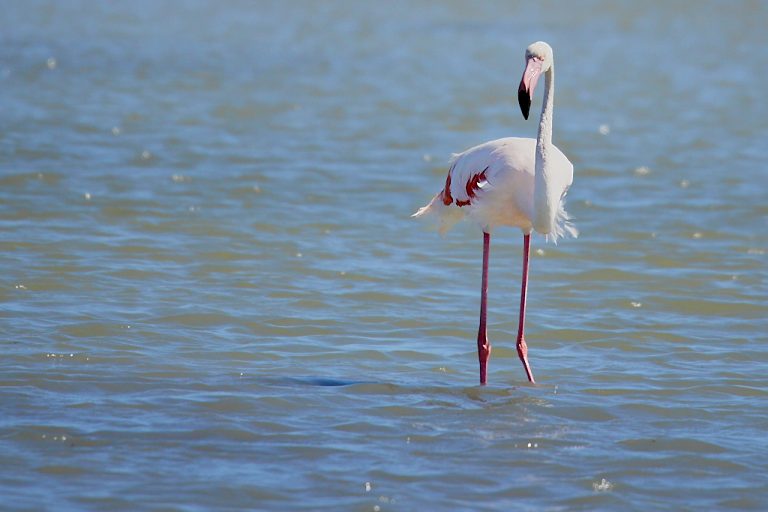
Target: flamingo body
(493, 185)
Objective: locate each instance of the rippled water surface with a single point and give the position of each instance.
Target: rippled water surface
(212, 296)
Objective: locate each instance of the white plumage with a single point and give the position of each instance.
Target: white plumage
(505, 196)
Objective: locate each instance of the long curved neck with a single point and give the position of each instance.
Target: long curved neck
(544, 139)
(544, 204)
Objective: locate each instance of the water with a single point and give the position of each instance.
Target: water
(213, 298)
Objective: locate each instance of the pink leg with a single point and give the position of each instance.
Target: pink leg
(483, 347)
(522, 348)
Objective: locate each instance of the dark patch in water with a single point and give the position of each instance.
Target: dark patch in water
(323, 381)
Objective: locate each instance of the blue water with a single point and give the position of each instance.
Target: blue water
(213, 296)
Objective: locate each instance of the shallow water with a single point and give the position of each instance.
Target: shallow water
(213, 296)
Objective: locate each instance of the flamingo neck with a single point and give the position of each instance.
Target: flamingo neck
(544, 138)
(544, 204)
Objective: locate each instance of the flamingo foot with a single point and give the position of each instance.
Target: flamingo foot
(522, 352)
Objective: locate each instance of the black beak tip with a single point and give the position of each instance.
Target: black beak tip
(525, 102)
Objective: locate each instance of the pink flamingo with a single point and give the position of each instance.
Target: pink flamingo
(512, 181)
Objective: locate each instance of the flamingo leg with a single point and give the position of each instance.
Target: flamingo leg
(522, 348)
(483, 346)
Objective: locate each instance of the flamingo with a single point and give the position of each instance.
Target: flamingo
(512, 181)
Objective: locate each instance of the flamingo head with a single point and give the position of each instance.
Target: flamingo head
(538, 60)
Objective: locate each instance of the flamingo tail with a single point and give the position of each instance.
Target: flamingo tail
(441, 215)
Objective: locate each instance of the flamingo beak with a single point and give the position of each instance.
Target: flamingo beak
(528, 84)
